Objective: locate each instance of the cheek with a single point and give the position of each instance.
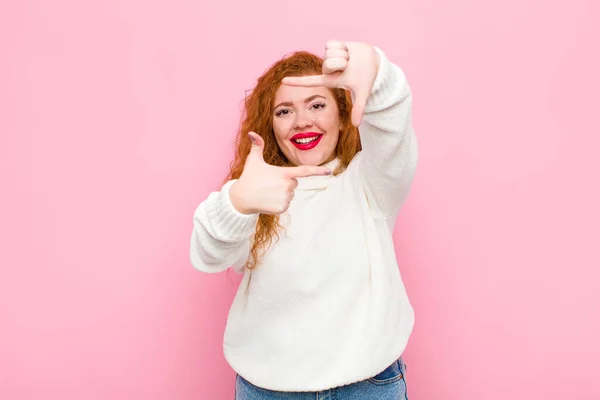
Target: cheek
(330, 122)
(280, 131)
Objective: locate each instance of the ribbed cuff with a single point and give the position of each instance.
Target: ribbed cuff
(229, 224)
(386, 83)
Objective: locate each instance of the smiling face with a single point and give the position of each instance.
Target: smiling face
(306, 124)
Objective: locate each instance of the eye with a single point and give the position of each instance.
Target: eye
(318, 105)
(282, 111)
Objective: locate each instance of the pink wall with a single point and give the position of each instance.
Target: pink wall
(117, 118)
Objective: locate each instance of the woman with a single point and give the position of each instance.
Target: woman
(307, 215)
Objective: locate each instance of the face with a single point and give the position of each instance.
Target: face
(306, 124)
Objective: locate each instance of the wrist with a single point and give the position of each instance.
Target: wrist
(237, 200)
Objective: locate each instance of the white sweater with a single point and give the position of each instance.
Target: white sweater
(327, 305)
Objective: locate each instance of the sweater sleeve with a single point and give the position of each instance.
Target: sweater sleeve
(221, 235)
(388, 159)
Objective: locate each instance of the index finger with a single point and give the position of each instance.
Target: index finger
(304, 171)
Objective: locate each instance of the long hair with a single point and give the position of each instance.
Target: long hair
(257, 117)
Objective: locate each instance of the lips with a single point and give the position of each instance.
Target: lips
(306, 140)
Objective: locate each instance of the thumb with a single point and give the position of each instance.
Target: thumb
(358, 107)
(258, 144)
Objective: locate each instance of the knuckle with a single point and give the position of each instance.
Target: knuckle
(336, 44)
(337, 53)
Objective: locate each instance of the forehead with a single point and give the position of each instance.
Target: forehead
(297, 94)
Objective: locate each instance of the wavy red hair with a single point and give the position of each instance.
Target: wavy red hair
(258, 117)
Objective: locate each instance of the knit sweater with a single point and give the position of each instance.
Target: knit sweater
(327, 305)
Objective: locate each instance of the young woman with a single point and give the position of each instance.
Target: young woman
(326, 155)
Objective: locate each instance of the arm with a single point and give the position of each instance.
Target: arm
(221, 235)
(388, 159)
(382, 110)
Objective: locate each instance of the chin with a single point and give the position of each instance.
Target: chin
(311, 159)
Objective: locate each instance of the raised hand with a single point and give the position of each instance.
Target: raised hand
(347, 65)
(264, 188)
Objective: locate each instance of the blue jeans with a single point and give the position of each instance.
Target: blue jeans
(387, 385)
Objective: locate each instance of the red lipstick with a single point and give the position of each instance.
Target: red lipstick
(306, 140)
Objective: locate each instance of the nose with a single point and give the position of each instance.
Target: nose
(303, 120)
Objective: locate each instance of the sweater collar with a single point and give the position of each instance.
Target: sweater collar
(318, 182)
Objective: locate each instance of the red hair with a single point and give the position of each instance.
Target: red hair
(258, 117)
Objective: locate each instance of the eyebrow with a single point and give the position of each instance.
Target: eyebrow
(308, 99)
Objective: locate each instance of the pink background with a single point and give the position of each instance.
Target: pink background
(117, 118)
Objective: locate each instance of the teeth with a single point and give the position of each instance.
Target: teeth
(306, 140)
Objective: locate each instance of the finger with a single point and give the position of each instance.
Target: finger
(332, 65)
(290, 197)
(335, 44)
(306, 81)
(258, 144)
(293, 184)
(358, 108)
(337, 53)
(305, 171)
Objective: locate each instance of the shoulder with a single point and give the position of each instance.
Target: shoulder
(350, 178)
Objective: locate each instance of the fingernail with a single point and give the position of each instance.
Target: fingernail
(327, 172)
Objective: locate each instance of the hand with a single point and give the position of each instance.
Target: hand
(347, 65)
(264, 188)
